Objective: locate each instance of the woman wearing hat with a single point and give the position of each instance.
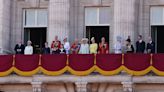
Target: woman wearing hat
(93, 46)
(84, 48)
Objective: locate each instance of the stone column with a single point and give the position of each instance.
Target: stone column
(58, 19)
(5, 12)
(125, 19)
(81, 86)
(127, 86)
(38, 87)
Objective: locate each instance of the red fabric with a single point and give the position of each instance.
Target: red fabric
(26, 62)
(6, 62)
(158, 61)
(109, 62)
(103, 48)
(54, 62)
(58, 44)
(81, 62)
(75, 48)
(137, 62)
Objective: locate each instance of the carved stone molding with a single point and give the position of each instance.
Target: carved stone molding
(127, 86)
(81, 86)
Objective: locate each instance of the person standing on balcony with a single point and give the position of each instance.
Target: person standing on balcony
(118, 46)
(62, 50)
(129, 46)
(93, 46)
(84, 48)
(28, 49)
(66, 45)
(75, 47)
(140, 45)
(150, 46)
(46, 49)
(55, 46)
(103, 47)
(19, 48)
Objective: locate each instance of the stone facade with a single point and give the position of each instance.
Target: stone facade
(66, 19)
(91, 83)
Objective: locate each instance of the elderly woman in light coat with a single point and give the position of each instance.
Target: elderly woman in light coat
(28, 49)
(84, 48)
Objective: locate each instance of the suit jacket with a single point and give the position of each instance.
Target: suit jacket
(151, 47)
(140, 47)
(19, 49)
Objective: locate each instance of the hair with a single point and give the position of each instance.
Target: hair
(140, 36)
(128, 40)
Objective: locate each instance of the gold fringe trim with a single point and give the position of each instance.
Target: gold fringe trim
(108, 73)
(137, 73)
(81, 73)
(54, 73)
(156, 71)
(2, 74)
(26, 73)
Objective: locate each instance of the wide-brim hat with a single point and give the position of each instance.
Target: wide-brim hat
(84, 39)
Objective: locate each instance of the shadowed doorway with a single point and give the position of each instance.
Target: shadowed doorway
(98, 32)
(37, 36)
(158, 37)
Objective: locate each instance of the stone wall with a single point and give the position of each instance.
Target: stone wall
(90, 83)
(58, 19)
(5, 26)
(66, 19)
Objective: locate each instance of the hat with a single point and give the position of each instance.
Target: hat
(84, 39)
(92, 38)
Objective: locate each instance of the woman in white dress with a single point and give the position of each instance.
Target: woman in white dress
(28, 49)
(84, 48)
(118, 46)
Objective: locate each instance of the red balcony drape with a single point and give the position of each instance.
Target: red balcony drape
(6, 63)
(26, 65)
(108, 64)
(137, 64)
(81, 64)
(158, 64)
(54, 64)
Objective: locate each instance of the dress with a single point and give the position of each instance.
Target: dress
(84, 49)
(93, 48)
(28, 50)
(118, 48)
(75, 48)
(103, 48)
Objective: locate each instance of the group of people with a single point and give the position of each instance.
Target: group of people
(141, 46)
(83, 47)
(57, 47)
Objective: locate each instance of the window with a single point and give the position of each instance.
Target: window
(97, 16)
(157, 15)
(35, 18)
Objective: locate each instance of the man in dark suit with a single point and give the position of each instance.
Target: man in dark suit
(19, 48)
(140, 45)
(150, 46)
